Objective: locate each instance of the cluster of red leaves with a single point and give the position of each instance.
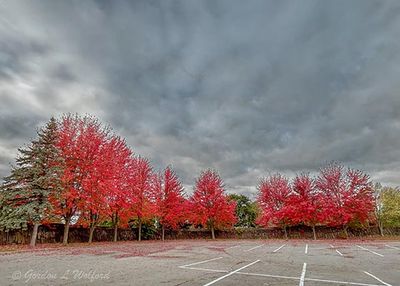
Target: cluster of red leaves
(336, 197)
(209, 204)
(273, 200)
(169, 202)
(347, 194)
(95, 168)
(140, 182)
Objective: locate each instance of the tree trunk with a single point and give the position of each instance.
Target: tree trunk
(380, 228)
(34, 234)
(212, 232)
(314, 233)
(66, 230)
(115, 232)
(140, 230)
(94, 218)
(285, 231)
(91, 231)
(163, 232)
(345, 231)
(115, 217)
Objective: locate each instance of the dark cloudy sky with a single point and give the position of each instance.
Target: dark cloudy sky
(245, 87)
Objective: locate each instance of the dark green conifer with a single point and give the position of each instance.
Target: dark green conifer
(24, 197)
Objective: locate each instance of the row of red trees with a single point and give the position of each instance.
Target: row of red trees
(336, 197)
(89, 175)
(96, 178)
(103, 180)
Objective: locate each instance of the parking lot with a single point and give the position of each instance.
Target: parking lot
(200, 262)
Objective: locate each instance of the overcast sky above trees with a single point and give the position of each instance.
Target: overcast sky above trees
(246, 87)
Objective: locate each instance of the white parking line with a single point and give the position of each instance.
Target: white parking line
(204, 269)
(285, 277)
(200, 262)
(307, 279)
(231, 273)
(303, 275)
(267, 275)
(306, 250)
(366, 249)
(393, 247)
(373, 276)
(337, 251)
(255, 247)
(279, 248)
(340, 282)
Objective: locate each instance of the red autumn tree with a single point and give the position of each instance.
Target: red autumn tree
(210, 206)
(306, 203)
(106, 187)
(121, 199)
(348, 195)
(273, 199)
(141, 190)
(80, 141)
(92, 159)
(168, 199)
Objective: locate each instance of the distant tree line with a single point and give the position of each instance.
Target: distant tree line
(77, 171)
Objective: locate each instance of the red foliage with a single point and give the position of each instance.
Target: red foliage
(114, 181)
(273, 199)
(337, 198)
(209, 205)
(141, 189)
(95, 170)
(168, 198)
(306, 203)
(80, 143)
(347, 195)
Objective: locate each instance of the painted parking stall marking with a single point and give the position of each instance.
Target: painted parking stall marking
(392, 247)
(201, 262)
(279, 248)
(231, 273)
(373, 252)
(303, 275)
(267, 275)
(226, 268)
(341, 282)
(376, 278)
(255, 247)
(337, 251)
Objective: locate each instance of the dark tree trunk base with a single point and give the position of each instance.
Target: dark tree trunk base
(140, 231)
(91, 231)
(115, 233)
(314, 233)
(66, 230)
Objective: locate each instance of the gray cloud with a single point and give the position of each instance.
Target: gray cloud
(246, 88)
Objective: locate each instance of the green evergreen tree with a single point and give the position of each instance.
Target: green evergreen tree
(24, 198)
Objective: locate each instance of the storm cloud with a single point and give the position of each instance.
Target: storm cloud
(246, 87)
